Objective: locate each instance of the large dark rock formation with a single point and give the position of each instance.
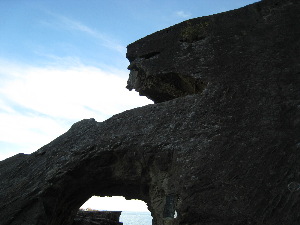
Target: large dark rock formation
(222, 147)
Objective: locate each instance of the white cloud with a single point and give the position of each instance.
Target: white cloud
(28, 129)
(38, 104)
(183, 14)
(5, 155)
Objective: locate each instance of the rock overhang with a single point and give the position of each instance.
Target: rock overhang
(206, 47)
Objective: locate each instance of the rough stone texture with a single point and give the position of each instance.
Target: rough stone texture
(97, 218)
(221, 148)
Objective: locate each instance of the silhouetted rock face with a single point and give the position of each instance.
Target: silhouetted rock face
(97, 218)
(231, 49)
(224, 150)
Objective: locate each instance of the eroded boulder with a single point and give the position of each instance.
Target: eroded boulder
(221, 147)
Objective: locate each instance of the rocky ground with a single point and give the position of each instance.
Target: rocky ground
(97, 218)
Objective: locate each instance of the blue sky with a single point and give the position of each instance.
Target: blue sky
(63, 61)
(94, 31)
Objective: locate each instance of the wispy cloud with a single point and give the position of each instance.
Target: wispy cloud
(183, 14)
(72, 24)
(38, 104)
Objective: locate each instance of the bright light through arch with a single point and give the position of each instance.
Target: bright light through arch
(133, 211)
(115, 203)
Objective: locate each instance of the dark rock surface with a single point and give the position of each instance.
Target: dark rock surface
(221, 148)
(97, 218)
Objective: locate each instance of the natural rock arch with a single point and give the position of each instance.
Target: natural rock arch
(62, 175)
(225, 154)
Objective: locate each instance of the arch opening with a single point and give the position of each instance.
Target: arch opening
(117, 208)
